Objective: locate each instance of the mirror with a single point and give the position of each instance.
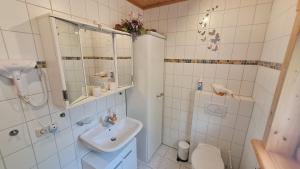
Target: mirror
(98, 56)
(82, 59)
(124, 60)
(72, 61)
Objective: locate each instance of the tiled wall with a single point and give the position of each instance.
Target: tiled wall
(275, 45)
(242, 25)
(20, 39)
(222, 121)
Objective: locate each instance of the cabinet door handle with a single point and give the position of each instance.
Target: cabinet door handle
(118, 164)
(128, 154)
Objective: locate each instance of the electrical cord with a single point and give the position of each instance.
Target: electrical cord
(42, 78)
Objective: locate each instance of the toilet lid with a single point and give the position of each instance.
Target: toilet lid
(207, 157)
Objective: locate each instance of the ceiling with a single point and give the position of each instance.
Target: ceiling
(146, 4)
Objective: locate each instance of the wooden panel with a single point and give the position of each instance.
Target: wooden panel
(282, 132)
(146, 4)
(262, 156)
(268, 160)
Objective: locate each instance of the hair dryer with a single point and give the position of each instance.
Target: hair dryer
(13, 70)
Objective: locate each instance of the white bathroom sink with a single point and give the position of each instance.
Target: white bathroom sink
(109, 139)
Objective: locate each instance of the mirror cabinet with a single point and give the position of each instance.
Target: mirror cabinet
(84, 61)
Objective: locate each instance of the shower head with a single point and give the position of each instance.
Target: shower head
(13, 70)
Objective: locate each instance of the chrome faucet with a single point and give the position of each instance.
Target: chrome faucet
(110, 120)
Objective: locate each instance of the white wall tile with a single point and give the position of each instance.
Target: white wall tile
(72, 165)
(236, 72)
(51, 163)
(250, 72)
(239, 51)
(1, 164)
(246, 108)
(258, 33)
(78, 8)
(20, 45)
(172, 11)
(7, 90)
(43, 3)
(216, 19)
(3, 53)
(228, 34)
(246, 15)
(163, 12)
(61, 5)
(44, 148)
(242, 123)
(254, 51)
(230, 18)
(64, 138)
(232, 4)
(18, 18)
(10, 144)
(35, 11)
(243, 34)
(262, 13)
(234, 85)
(67, 155)
(12, 113)
(23, 159)
(248, 2)
(92, 9)
(222, 71)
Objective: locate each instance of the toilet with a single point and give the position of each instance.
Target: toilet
(206, 156)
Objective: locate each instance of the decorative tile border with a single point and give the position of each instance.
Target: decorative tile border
(271, 65)
(93, 57)
(71, 58)
(234, 62)
(124, 57)
(85, 57)
(99, 58)
(41, 64)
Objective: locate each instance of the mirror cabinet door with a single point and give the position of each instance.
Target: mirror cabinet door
(124, 59)
(98, 54)
(72, 61)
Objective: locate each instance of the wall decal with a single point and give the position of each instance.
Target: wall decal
(207, 34)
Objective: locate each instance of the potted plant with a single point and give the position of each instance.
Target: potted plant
(134, 25)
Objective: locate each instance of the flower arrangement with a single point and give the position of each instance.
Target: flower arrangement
(134, 25)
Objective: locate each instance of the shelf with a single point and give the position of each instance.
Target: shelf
(269, 160)
(93, 98)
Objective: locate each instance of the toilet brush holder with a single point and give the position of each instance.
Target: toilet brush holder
(183, 151)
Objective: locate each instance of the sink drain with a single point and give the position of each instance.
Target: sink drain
(113, 139)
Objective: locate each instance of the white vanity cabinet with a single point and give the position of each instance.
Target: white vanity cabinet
(124, 158)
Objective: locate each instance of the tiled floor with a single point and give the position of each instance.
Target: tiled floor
(164, 158)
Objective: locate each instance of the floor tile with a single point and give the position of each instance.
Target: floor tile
(164, 158)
